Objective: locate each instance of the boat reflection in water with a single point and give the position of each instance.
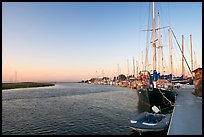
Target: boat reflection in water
(143, 107)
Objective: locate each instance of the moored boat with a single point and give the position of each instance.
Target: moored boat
(152, 95)
(149, 122)
(152, 88)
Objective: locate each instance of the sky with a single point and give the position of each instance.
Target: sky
(74, 41)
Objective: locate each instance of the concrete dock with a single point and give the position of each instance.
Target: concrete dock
(187, 114)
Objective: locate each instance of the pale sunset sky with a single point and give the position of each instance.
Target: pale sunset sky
(74, 41)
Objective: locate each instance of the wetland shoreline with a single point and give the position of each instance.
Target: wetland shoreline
(25, 85)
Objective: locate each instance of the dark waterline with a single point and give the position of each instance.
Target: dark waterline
(69, 108)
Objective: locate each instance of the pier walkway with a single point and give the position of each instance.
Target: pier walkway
(187, 114)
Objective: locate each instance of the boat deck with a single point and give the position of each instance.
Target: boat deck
(187, 113)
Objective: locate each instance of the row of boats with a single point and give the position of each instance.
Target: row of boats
(157, 91)
(154, 91)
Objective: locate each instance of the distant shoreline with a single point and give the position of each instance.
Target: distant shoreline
(25, 85)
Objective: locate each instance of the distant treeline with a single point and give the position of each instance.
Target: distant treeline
(24, 85)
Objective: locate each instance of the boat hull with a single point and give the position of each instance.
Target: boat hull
(157, 97)
(140, 124)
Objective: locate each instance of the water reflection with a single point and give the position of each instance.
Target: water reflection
(69, 109)
(142, 107)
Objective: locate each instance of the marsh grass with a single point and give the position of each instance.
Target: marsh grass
(24, 85)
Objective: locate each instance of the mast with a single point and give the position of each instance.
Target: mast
(127, 67)
(182, 51)
(191, 53)
(153, 37)
(15, 80)
(159, 45)
(96, 74)
(118, 70)
(102, 73)
(170, 52)
(195, 63)
(142, 62)
(183, 70)
(162, 68)
(133, 66)
(137, 67)
(146, 60)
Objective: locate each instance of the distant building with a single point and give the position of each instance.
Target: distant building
(197, 74)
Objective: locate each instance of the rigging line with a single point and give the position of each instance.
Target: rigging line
(168, 14)
(189, 53)
(169, 102)
(162, 27)
(181, 52)
(188, 49)
(141, 36)
(166, 68)
(147, 44)
(156, 28)
(176, 58)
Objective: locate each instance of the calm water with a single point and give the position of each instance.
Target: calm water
(69, 108)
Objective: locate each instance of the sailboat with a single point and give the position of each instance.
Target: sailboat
(184, 79)
(153, 89)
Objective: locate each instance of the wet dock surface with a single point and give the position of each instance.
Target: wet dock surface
(187, 113)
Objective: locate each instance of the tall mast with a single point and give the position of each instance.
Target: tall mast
(153, 37)
(170, 52)
(162, 68)
(159, 45)
(183, 71)
(191, 53)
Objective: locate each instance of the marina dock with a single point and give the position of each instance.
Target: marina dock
(187, 114)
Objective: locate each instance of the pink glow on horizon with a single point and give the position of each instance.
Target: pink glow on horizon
(8, 75)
